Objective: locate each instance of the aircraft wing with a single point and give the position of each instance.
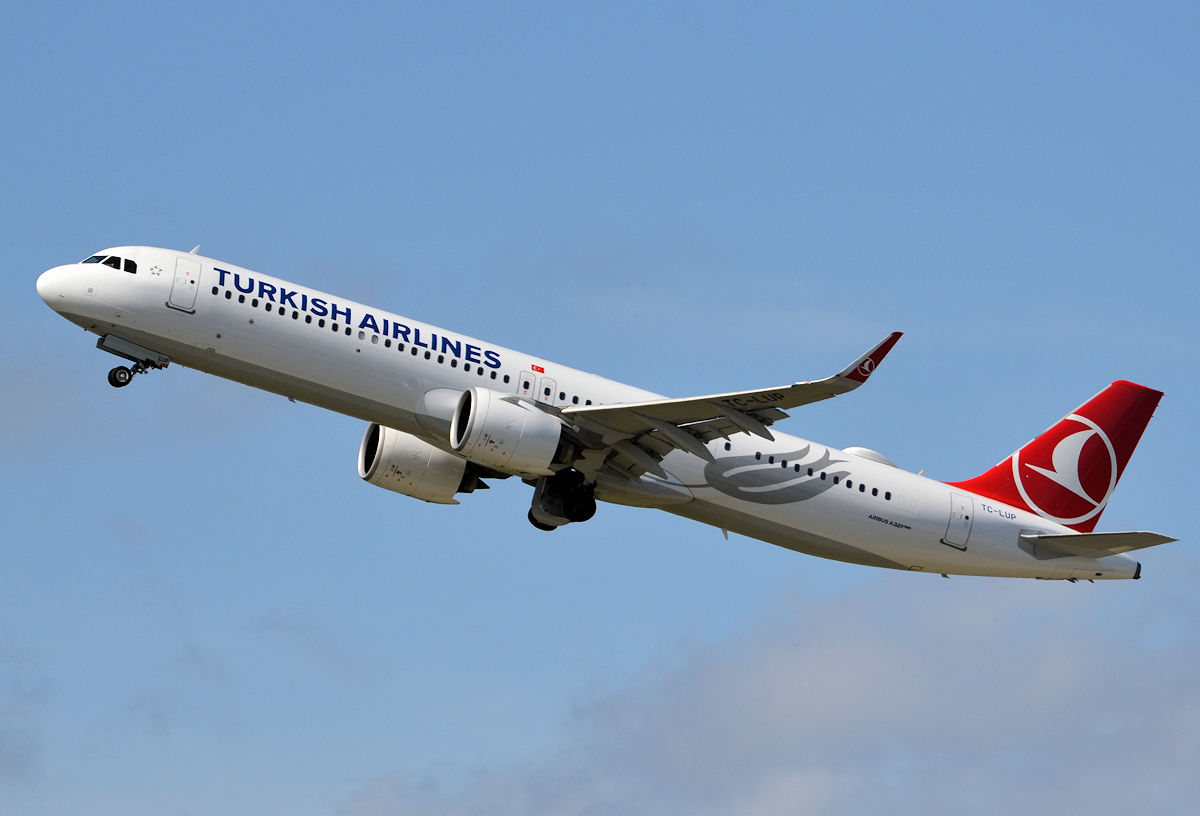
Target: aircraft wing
(659, 426)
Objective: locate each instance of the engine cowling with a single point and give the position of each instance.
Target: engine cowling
(510, 435)
(405, 464)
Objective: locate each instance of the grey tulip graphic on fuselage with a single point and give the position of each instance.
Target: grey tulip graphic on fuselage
(778, 479)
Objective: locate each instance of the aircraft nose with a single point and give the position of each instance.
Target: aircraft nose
(50, 285)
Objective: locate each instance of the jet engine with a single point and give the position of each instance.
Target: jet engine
(399, 461)
(505, 433)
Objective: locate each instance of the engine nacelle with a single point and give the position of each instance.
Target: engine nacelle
(508, 434)
(399, 461)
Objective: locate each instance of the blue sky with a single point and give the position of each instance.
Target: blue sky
(204, 611)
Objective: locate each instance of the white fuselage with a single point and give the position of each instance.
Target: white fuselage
(405, 374)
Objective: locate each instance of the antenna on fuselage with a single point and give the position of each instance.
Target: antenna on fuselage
(194, 250)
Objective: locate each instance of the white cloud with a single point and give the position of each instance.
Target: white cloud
(993, 696)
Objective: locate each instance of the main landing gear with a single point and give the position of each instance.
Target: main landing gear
(561, 499)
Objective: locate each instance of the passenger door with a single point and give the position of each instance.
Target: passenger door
(958, 529)
(185, 285)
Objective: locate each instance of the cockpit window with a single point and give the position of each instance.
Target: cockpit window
(114, 262)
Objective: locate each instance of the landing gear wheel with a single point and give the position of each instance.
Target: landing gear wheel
(120, 377)
(549, 528)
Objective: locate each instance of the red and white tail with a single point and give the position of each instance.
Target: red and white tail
(1069, 473)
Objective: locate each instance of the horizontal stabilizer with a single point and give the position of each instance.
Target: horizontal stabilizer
(1097, 545)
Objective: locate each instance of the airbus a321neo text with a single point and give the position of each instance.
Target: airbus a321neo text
(445, 412)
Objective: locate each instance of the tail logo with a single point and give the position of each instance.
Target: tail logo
(1072, 475)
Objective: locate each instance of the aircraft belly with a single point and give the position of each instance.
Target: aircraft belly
(780, 534)
(344, 397)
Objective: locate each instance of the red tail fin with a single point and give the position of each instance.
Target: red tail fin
(1068, 474)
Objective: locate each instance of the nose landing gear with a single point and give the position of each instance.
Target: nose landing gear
(120, 377)
(143, 359)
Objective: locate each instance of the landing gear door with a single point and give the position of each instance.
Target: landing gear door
(958, 529)
(185, 285)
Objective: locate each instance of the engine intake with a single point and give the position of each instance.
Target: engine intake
(405, 464)
(505, 433)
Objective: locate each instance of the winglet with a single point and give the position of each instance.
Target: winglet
(860, 369)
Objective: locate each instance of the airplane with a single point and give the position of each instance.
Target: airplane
(445, 412)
